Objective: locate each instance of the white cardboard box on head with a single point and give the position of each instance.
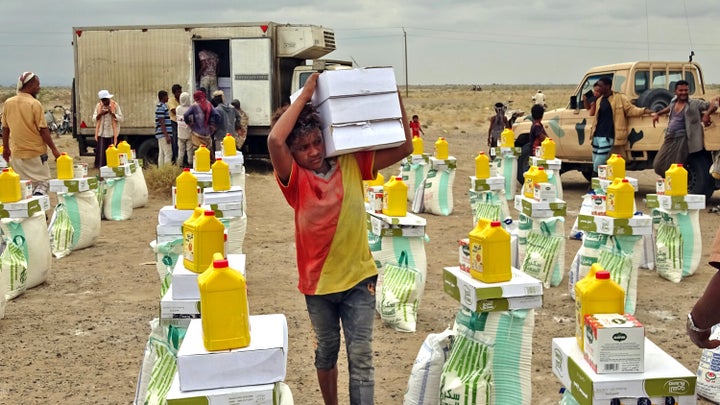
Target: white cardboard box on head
(184, 281)
(342, 110)
(264, 361)
(351, 82)
(368, 135)
(614, 343)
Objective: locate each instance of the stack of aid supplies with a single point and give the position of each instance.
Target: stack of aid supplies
(610, 360)
(492, 351)
(26, 256)
(122, 185)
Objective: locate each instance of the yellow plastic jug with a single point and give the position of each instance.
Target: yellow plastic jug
(395, 198)
(124, 147)
(441, 149)
(589, 277)
(201, 238)
(225, 311)
(379, 180)
(186, 191)
(220, 175)
(229, 145)
(417, 143)
(529, 182)
(507, 138)
(548, 148)
(620, 199)
(496, 268)
(202, 159)
(65, 170)
(601, 295)
(112, 156)
(482, 166)
(10, 190)
(615, 167)
(676, 179)
(475, 246)
(541, 176)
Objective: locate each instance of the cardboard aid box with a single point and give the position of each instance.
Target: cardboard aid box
(614, 343)
(264, 361)
(251, 395)
(476, 295)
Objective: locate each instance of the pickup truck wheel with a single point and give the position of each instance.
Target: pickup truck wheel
(148, 152)
(655, 99)
(699, 179)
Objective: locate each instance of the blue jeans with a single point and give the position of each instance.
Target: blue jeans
(355, 309)
(601, 148)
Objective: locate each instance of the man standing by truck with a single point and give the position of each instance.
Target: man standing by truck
(207, 74)
(610, 126)
(106, 117)
(25, 134)
(684, 134)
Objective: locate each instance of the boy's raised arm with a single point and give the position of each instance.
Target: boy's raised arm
(280, 154)
(388, 157)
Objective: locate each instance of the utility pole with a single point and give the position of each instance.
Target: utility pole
(406, 62)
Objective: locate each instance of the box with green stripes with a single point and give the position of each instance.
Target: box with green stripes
(234, 195)
(637, 225)
(443, 164)
(495, 183)
(503, 151)
(181, 310)
(119, 171)
(676, 202)
(540, 209)
(265, 394)
(25, 208)
(417, 159)
(410, 225)
(73, 185)
(553, 164)
(601, 185)
(486, 297)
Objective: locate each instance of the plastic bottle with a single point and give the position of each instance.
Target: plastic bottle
(124, 147)
(10, 190)
(65, 170)
(590, 276)
(541, 176)
(507, 138)
(529, 183)
(620, 200)
(379, 180)
(548, 149)
(599, 296)
(676, 180)
(220, 175)
(482, 166)
(395, 198)
(495, 252)
(186, 193)
(224, 303)
(615, 167)
(417, 143)
(112, 156)
(201, 238)
(441, 149)
(229, 146)
(202, 159)
(475, 246)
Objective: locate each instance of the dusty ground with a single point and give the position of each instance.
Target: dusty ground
(79, 338)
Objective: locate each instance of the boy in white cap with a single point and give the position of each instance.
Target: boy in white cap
(25, 134)
(107, 118)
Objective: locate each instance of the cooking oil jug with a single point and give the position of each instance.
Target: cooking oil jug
(601, 295)
(220, 175)
(124, 147)
(186, 191)
(495, 252)
(475, 246)
(529, 183)
(112, 156)
(441, 149)
(202, 159)
(65, 170)
(10, 190)
(229, 145)
(620, 199)
(202, 237)
(615, 167)
(225, 311)
(482, 166)
(676, 179)
(507, 138)
(417, 143)
(395, 198)
(548, 148)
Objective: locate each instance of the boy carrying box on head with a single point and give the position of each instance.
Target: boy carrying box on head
(336, 270)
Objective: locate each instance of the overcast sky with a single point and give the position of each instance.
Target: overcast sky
(448, 41)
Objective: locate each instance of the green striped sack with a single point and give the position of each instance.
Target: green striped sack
(414, 176)
(166, 256)
(488, 204)
(669, 252)
(85, 215)
(688, 224)
(509, 333)
(61, 231)
(36, 247)
(541, 256)
(467, 374)
(13, 269)
(400, 295)
(507, 167)
(389, 249)
(159, 364)
(617, 258)
(437, 196)
(554, 179)
(118, 202)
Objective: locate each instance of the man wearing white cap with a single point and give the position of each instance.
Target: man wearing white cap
(25, 134)
(107, 118)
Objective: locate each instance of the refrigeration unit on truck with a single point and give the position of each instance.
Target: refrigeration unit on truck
(259, 65)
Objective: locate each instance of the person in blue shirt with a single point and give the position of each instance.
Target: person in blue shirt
(163, 129)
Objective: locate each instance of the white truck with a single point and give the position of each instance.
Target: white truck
(261, 64)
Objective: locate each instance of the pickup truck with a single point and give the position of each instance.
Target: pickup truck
(647, 84)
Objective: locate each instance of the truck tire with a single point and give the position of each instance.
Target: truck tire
(655, 99)
(699, 179)
(148, 152)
